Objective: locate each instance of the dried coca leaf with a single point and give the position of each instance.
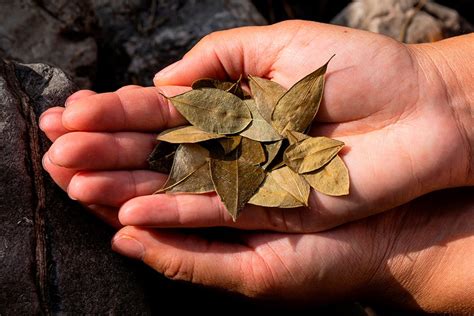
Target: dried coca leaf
(296, 109)
(212, 83)
(311, 153)
(232, 87)
(197, 182)
(235, 181)
(236, 89)
(271, 151)
(186, 134)
(293, 183)
(259, 129)
(294, 137)
(213, 110)
(251, 151)
(161, 158)
(332, 179)
(187, 159)
(271, 194)
(230, 143)
(266, 94)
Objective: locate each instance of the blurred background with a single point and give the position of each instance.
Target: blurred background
(105, 44)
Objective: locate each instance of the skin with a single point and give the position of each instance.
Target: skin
(390, 103)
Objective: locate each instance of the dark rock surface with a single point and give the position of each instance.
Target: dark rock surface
(106, 44)
(54, 257)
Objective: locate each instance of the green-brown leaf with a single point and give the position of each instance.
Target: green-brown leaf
(213, 110)
(230, 143)
(187, 159)
(232, 87)
(235, 181)
(186, 134)
(259, 129)
(294, 137)
(266, 94)
(311, 154)
(332, 179)
(251, 151)
(296, 109)
(271, 150)
(271, 194)
(293, 183)
(197, 182)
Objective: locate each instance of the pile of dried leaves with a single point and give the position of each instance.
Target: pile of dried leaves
(251, 149)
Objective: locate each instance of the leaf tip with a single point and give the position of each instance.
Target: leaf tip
(164, 96)
(330, 58)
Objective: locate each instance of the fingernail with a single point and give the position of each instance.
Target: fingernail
(128, 246)
(43, 160)
(41, 122)
(72, 197)
(165, 71)
(45, 120)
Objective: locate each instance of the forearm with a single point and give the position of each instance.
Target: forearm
(451, 62)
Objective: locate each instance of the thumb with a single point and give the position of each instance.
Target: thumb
(223, 55)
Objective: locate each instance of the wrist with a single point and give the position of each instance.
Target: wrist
(447, 68)
(428, 265)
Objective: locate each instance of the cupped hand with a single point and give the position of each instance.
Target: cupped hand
(418, 256)
(392, 111)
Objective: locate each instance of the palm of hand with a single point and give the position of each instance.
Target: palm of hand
(384, 107)
(367, 258)
(377, 100)
(390, 125)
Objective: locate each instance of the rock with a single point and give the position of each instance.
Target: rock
(410, 21)
(54, 257)
(54, 32)
(105, 44)
(159, 33)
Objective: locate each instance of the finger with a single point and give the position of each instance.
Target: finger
(283, 52)
(129, 87)
(93, 151)
(62, 176)
(113, 188)
(131, 109)
(78, 95)
(207, 210)
(188, 257)
(226, 54)
(50, 122)
(105, 213)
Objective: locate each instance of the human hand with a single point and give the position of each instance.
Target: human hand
(382, 99)
(418, 256)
